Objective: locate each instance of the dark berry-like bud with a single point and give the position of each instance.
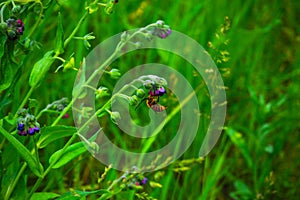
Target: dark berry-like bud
(14, 28)
(65, 116)
(22, 133)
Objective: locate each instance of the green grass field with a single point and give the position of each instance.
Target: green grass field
(255, 45)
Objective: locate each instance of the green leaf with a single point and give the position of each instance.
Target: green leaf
(40, 69)
(33, 164)
(59, 47)
(44, 196)
(70, 153)
(77, 194)
(7, 68)
(240, 143)
(52, 133)
(242, 191)
(3, 38)
(79, 90)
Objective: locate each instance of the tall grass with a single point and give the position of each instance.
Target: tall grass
(256, 156)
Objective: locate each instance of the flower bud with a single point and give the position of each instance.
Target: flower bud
(69, 64)
(148, 84)
(3, 26)
(114, 73)
(140, 93)
(101, 92)
(133, 100)
(22, 112)
(124, 36)
(115, 116)
(16, 9)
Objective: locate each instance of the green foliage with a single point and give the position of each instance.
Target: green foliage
(256, 47)
(72, 152)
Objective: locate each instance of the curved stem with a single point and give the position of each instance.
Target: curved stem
(76, 29)
(38, 21)
(24, 100)
(2, 10)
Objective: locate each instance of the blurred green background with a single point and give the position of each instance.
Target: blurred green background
(256, 156)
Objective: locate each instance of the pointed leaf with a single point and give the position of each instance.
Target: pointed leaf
(72, 152)
(44, 196)
(240, 143)
(7, 71)
(78, 194)
(33, 164)
(52, 133)
(40, 69)
(3, 38)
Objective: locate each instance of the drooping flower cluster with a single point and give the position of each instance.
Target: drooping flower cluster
(155, 87)
(161, 30)
(15, 27)
(134, 181)
(59, 106)
(27, 124)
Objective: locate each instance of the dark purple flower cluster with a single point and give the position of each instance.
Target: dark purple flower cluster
(27, 124)
(29, 131)
(162, 31)
(59, 106)
(15, 27)
(157, 91)
(133, 181)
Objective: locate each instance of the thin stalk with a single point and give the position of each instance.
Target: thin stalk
(11, 188)
(38, 182)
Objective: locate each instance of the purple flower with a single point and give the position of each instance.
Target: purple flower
(21, 127)
(14, 28)
(22, 133)
(65, 116)
(157, 92)
(144, 181)
(161, 91)
(36, 129)
(162, 32)
(20, 26)
(30, 131)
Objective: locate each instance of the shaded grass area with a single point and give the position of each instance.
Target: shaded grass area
(256, 156)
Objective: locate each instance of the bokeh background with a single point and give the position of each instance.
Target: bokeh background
(255, 45)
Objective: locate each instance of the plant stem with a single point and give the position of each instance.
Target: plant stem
(24, 100)
(76, 29)
(38, 182)
(10, 189)
(38, 21)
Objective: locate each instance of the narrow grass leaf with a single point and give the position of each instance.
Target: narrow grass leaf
(59, 48)
(44, 196)
(240, 143)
